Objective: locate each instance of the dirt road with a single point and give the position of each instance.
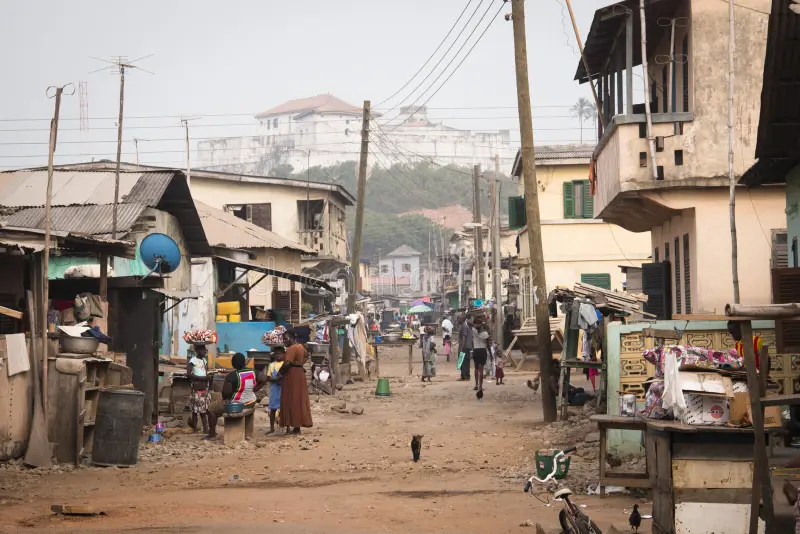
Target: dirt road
(348, 474)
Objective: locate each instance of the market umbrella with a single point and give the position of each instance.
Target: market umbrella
(420, 309)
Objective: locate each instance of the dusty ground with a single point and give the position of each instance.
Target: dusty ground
(348, 474)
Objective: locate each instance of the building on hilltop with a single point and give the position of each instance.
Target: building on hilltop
(324, 130)
(682, 197)
(399, 273)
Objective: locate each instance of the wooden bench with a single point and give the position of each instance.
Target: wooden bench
(239, 426)
(610, 478)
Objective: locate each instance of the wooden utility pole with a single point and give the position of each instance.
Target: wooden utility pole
(355, 254)
(539, 283)
(48, 224)
(478, 280)
(651, 142)
(586, 65)
(731, 175)
(119, 148)
(188, 154)
(497, 270)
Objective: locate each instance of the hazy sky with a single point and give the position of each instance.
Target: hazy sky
(235, 59)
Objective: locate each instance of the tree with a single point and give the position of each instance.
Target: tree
(583, 110)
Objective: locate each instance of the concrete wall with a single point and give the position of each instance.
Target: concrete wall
(222, 193)
(705, 217)
(793, 211)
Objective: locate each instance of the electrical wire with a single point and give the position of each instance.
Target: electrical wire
(451, 62)
(432, 55)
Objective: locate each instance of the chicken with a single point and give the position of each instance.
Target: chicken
(534, 384)
(479, 394)
(613, 460)
(635, 519)
(416, 446)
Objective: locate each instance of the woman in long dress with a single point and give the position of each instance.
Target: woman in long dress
(295, 405)
(428, 355)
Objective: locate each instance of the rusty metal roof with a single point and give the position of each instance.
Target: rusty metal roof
(224, 229)
(88, 220)
(19, 189)
(554, 154)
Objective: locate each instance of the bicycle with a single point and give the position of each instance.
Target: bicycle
(572, 520)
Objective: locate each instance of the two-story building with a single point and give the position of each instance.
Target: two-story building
(399, 273)
(577, 246)
(680, 193)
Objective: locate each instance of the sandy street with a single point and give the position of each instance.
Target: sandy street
(348, 474)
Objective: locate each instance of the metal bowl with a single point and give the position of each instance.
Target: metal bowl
(79, 345)
(391, 338)
(233, 407)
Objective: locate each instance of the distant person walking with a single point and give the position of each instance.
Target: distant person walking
(464, 345)
(428, 355)
(479, 353)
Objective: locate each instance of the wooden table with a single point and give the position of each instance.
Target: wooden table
(629, 480)
(409, 344)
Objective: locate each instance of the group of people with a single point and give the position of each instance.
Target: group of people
(289, 404)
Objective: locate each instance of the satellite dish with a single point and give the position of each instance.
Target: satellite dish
(160, 253)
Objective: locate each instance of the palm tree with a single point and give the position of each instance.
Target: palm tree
(583, 110)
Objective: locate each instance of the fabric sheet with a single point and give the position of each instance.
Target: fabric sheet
(17, 354)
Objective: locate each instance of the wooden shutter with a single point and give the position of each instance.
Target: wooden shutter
(588, 201)
(677, 265)
(295, 303)
(687, 275)
(656, 285)
(517, 218)
(786, 289)
(780, 249)
(655, 255)
(569, 201)
(261, 215)
(601, 280)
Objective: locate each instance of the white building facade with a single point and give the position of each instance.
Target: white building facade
(324, 130)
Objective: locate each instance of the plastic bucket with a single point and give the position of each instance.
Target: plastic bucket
(544, 464)
(383, 388)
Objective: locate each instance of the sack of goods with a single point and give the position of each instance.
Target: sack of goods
(200, 336)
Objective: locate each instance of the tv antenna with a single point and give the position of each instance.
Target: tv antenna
(117, 65)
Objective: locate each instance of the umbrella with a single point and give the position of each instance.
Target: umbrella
(420, 309)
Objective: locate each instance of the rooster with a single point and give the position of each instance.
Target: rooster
(416, 446)
(635, 520)
(534, 384)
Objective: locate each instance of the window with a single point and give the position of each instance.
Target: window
(268, 125)
(406, 267)
(685, 69)
(677, 265)
(275, 122)
(655, 256)
(384, 269)
(678, 158)
(260, 215)
(602, 281)
(578, 201)
(687, 276)
(666, 251)
(310, 214)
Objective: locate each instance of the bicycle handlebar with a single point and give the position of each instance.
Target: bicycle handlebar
(570, 449)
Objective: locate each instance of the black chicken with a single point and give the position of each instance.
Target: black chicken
(416, 446)
(635, 519)
(479, 394)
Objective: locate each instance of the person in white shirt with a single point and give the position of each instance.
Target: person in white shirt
(479, 353)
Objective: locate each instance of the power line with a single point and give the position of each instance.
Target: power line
(433, 54)
(454, 57)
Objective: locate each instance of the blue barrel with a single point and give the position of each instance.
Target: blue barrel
(118, 427)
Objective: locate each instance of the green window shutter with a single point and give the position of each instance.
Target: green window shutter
(569, 201)
(603, 281)
(588, 201)
(516, 213)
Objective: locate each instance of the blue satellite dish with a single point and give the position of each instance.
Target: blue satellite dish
(160, 253)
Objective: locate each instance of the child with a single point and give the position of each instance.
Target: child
(498, 366)
(275, 379)
(447, 346)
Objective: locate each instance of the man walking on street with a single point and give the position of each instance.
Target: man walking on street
(465, 345)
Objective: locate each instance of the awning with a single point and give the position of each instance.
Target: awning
(307, 280)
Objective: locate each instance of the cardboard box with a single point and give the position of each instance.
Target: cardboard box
(742, 412)
(706, 384)
(706, 409)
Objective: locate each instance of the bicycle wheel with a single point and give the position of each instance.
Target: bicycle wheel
(584, 526)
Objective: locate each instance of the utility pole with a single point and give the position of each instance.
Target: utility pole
(731, 176)
(355, 255)
(586, 65)
(136, 147)
(478, 280)
(119, 148)
(497, 269)
(185, 122)
(48, 218)
(532, 210)
(651, 142)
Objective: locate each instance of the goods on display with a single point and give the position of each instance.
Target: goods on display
(200, 336)
(275, 337)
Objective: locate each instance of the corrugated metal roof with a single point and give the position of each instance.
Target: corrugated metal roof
(555, 153)
(80, 219)
(226, 230)
(70, 188)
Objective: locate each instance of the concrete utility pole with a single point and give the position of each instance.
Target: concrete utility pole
(731, 175)
(478, 280)
(355, 255)
(185, 122)
(651, 142)
(48, 224)
(532, 210)
(497, 270)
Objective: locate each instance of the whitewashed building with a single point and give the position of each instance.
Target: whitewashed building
(324, 130)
